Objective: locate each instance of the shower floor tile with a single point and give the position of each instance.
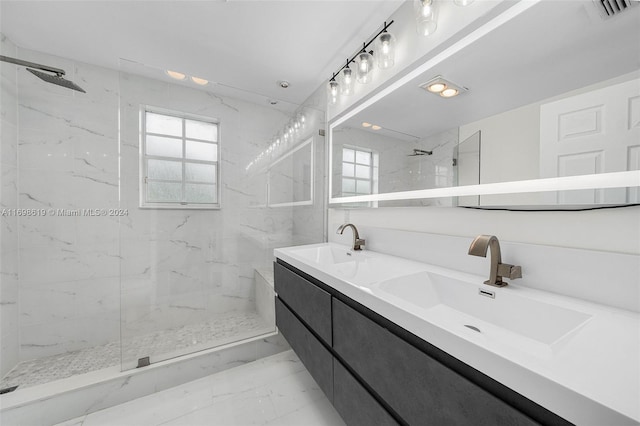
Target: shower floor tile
(219, 330)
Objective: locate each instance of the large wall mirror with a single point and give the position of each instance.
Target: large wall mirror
(553, 102)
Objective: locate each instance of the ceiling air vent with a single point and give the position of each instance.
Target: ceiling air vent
(609, 8)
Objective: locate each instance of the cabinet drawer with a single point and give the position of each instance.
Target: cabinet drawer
(417, 387)
(310, 303)
(354, 403)
(315, 357)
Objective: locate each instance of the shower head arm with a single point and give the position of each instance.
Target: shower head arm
(56, 71)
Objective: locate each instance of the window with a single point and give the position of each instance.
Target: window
(357, 172)
(180, 161)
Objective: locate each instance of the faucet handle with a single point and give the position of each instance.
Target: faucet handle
(510, 271)
(358, 243)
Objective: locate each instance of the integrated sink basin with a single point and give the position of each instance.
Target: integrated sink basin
(358, 268)
(506, 316)
(329, 255)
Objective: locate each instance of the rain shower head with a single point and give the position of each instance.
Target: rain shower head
(56, 79)
(419, 152)
(56, 76)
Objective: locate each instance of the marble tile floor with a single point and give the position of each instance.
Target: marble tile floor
(276, 390)
(220, 330)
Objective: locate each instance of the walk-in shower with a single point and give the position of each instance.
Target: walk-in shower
(95, 279)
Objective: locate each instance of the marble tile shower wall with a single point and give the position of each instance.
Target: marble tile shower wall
(158, 268)
(9, 346)
(67, 160)
(180, 266)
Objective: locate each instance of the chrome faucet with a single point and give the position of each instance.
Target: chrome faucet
(498, 269)
(357, 241)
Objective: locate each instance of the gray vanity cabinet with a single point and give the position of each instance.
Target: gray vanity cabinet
(354, 403)
(315, 357)
(376, 372)
(308, 301)
(419, 389)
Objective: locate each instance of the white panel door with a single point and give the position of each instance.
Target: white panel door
(594, 132)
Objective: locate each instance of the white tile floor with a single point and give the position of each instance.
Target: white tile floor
(276, 390)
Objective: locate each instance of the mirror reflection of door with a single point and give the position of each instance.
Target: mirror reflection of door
(593, 132)
(467, 167)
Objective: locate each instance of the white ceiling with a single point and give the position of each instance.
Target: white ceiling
(249, 45)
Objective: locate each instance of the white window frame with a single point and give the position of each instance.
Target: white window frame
(144, 157)
(370, 178)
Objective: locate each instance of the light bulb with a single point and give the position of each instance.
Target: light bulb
(436, 87)
(364, 61)
(200, 81)
(448, 93)
(426, 17)
(175, 74)
(385, 50)
(346, 88)
(333, 89)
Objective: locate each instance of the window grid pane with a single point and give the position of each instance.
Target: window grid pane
(356, 164)
(180, 170)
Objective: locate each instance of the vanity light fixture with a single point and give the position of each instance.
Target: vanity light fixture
(364, 66)
(200, 81)
(445, 88)
(346, 85)
(384, 51)
(176, 75)
(333, 89)
(426, 16)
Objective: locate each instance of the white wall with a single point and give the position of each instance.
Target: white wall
(9, 294)
(612, 230)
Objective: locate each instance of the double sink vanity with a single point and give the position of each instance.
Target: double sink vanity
(396, 341)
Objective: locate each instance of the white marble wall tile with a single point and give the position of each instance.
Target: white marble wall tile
(9, 138)
(9, 266)
(175, 264)
(62, 262)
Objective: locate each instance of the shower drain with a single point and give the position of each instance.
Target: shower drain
(473, 328)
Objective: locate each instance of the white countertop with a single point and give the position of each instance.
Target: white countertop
(592, 378)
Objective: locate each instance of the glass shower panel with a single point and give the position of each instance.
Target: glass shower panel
(60, 182)
(193, 278)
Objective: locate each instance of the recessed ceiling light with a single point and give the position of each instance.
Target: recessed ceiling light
(436, 87)
(200, 81)
(375, 127)
(447, 93)
(365, 124)
(443, 87)
(283, 83)
(272, 101)
(175, 74)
